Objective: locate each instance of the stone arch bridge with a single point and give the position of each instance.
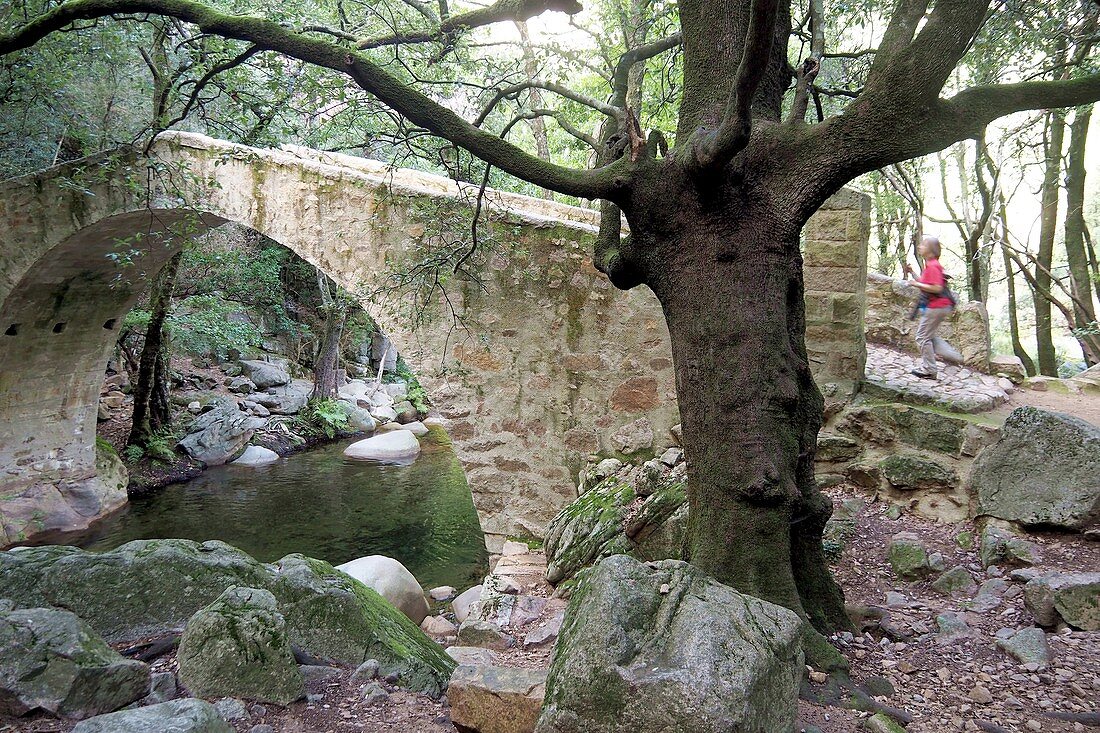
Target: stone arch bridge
(548, 363)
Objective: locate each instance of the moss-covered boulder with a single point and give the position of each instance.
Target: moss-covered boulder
(890, 423)
(1065, 493)
(956, 581)
(1070, 597)
(908, 471)
(51, 660)
(178, 716)
(141, 588)
(335, 616)
(663, 648)
(238, 647)
(832, 448)
(908, 557)
(588, 529)
(149, 587)
(1000, 546)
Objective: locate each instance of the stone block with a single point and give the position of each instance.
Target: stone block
(496, 699)
(833, 253)
(828, 225)
(834, 279)
(848, 309)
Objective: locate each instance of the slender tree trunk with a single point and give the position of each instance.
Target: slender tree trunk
(1084, 311)
(1013, 320)
(335, 311)
(538, 125)
(151, 407)
(1048, 362)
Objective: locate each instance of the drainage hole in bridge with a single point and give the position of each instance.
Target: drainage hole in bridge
(13, 330)
(110, 324)
(58, 327)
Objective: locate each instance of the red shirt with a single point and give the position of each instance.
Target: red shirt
(932, 274)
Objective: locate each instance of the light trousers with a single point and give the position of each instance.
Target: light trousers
(930, 344)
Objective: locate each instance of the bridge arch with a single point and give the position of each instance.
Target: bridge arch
(549, 363)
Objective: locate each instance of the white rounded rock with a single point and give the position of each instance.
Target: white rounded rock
(466, 599)
(255, 455)
(395, 445)
(391, 580)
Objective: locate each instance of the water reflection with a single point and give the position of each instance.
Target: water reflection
(325, 506)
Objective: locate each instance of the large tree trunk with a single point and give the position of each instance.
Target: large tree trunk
(152, 411)
(1084, 311)
(730, 284)
(1048, 222)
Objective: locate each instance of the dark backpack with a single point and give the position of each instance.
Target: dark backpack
(947, 292)
(925, 298)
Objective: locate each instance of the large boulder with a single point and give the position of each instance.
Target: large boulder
(142, 588)
(1071, 597)
(220, 435)
(288, 399)
(396, 445)
(663, 648)
(908, 556)
(887, 423)
(152, 587)
(490, 699)
(1065, 493)
(907, 471)
(178, 716)
(264, 374)
(391, 580)
(238, 647)
(51, 660)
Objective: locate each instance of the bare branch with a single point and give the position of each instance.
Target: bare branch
(621, 77)
(206, 78)
(562, 120)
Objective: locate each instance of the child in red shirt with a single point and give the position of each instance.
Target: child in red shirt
(932, 284)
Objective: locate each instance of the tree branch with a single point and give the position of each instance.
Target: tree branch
(499, 11)
(809, 69)
(621, 78)
(411, 104)
(561, 120)
(899, 34)
(733, 131)
(976, 107)
(509, 91)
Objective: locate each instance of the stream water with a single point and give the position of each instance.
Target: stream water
(325, 506)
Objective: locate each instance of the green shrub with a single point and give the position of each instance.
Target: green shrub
(160, 448)
(133, 453)
(327, 417)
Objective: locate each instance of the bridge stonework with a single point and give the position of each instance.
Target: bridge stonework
(545, 363)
